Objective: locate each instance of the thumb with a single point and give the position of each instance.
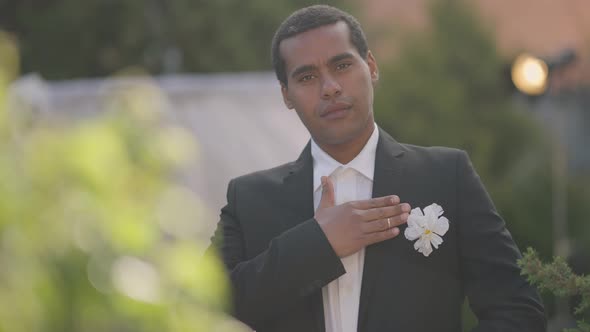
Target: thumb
(327, 199)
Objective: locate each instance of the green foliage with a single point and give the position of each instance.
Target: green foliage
(447, 87)
(558, 278)
(69, 38)
(91, 234)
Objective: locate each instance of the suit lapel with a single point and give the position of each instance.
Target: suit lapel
(298, 186)
(388, 179)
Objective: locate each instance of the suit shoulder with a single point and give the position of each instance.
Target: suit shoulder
(437, 157)
(432, 151)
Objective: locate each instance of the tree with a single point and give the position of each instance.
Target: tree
(558, 278)
(67, 38)
(95, 234)
(447, 87)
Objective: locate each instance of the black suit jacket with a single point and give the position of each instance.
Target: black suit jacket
(278, 258)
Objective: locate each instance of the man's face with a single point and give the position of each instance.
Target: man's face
(329, 84)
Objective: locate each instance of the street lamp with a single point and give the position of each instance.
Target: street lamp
(532, 77)
(530, 74)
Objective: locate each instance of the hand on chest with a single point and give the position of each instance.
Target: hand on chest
(349, 185)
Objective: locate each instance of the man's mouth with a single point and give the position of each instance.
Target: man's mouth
(335, 111)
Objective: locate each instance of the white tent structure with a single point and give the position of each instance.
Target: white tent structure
(239, 122)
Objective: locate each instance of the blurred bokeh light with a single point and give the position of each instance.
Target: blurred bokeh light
(529, 74)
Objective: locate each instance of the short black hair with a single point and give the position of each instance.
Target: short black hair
(309, 18)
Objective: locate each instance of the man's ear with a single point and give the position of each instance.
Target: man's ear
(286, 99)
(373, 68)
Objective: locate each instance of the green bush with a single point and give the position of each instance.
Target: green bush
(95, 233)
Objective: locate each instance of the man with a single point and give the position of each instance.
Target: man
(308, 248)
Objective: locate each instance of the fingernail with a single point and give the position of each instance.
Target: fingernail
(395, 231)
(394, 199)
(406, 208)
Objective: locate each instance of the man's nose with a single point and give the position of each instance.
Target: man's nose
(330, 87)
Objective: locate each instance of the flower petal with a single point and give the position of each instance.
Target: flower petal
(418, 244)
(433, 209)
(412, 222)
(441, 226)
(416, 220)
(413, 232)
(430, 221)
(416, 211)
(427, 227)
(423, 245)
(435, 240)
(426, 251)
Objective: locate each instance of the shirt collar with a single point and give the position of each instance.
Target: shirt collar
(364, 162)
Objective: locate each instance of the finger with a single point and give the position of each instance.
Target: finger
(381, 225)
(385, 212)
(381, 236)
(375, 202)
(327, 199)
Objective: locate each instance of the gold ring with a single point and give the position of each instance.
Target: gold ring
(389, 222)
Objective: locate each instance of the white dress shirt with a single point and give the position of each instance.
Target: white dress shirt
(353, 181)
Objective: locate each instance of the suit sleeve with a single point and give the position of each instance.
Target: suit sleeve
(499, 296)
(296, 264)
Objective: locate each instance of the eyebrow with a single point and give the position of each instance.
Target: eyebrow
(332, 60)
(340, 57)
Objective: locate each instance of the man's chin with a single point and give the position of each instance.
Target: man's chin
(339, 136)
(336, 139)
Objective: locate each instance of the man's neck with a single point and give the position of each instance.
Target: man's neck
(346, 152)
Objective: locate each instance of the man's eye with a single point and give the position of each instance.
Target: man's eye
(343, 66)
(305, 78)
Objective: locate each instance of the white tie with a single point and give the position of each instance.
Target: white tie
(345, 291)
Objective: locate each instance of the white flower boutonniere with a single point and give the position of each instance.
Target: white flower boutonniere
(427, 227)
